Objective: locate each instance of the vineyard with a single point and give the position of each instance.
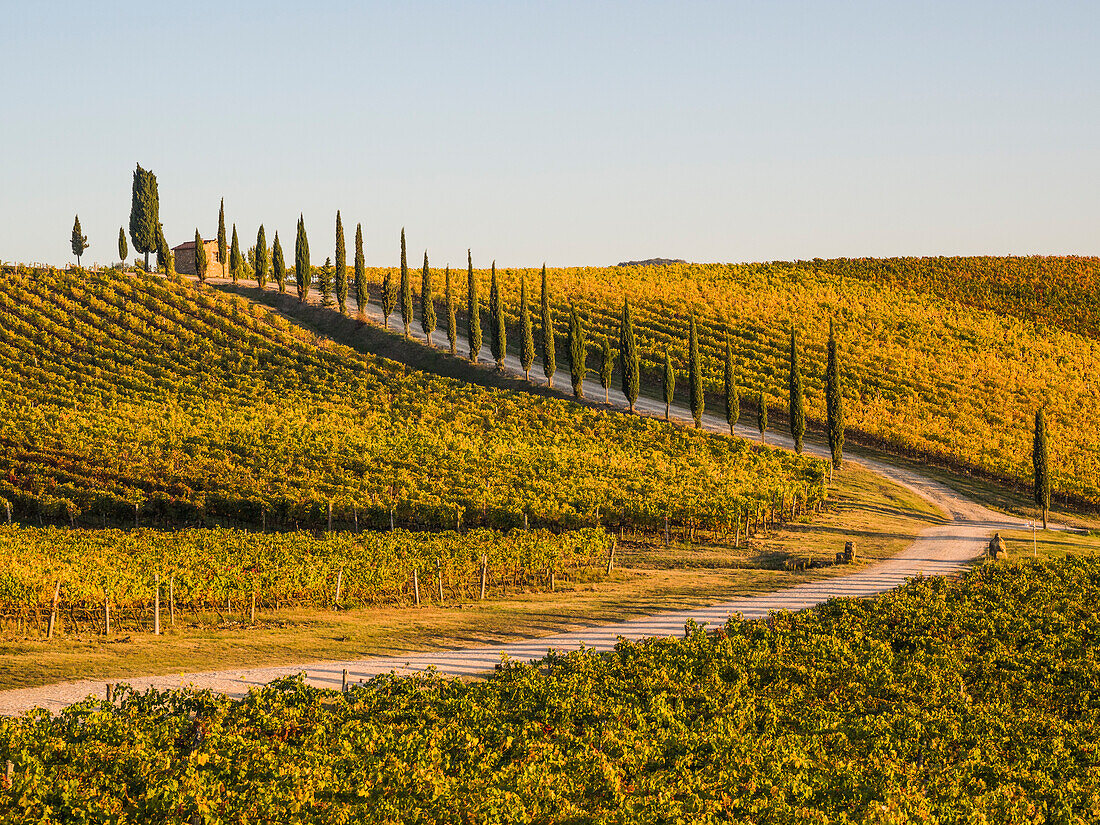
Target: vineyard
(133, 400)
(113, 572)
(944, 701)
(945, 358)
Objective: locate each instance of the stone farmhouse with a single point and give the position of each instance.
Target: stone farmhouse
(184, 256)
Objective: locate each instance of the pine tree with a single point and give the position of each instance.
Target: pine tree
(527, 339)
(278, 264)
(670, 384)
(695, 371)
(261, 257)
(733, 400)
(834, 402)
(578, 352)
(607, 365)
(797, 403)
(202, 262)
(302, 271)
(236, 261)
(341, 266)
(144, 213)
(473, 310)
(549, 345)
(325, 283)
(452, 322)
(406, 289)
(362, 296)
(123, 248)
(1040, 457)
(427, 302)
(761, 414)
(79, 241)
(499, 341)
(222, 248)
(628, 357)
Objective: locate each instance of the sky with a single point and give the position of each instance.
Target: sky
(571, 133)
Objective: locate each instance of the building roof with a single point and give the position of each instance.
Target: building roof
(191, 244)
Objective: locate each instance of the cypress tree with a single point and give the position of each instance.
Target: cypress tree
(278, 264)
(797, 408)
(389, 296)
(473, 310)
(549, 345)
(527, 338)
(123, 249)
(427, 302)
(261, 257)
(607, 365)
(406, 289)
(341, 266)
(144, 213)
(202, 263)
(162, 251)
(578, 352)
(222, 259)
(499, 341)
(834, 402)
(236, 261)
(325, 283)
(733, 400)
(761, 414)
(302, 272)
(670, 384)
(362, 297)
(79, 241)
(628, 357)
(695, 370)
(452, 322)
(1040, 457)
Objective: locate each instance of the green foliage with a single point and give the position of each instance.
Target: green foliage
(223, 249)
(761, 414)
(526, 334)
(607, 366)
(578, 352)
(202, 262)
(144, 213)
(236, 259)
(731, 392)
(79, 241)
(1040, 459)
(362, 294)
(278, 263)
(324, 282)
(260, 266)
(695, 374)
(628, 357)
(123, 247)
(406, 289)
(164, 256)
(303, 273)
(669, 384)
(546, 336)
(834, 401)
(942, 701)
(473, 310)
(388, 297)
(796, 405)
(427, 302)
(452, 322)
(498, 339)
(341, 271)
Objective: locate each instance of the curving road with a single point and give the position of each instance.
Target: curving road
(942, 549)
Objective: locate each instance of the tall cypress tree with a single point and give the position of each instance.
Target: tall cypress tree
(527, 339)
(389, 296)
(123, 249)
(607, 366)
(144, 213)
(427, 302)
(278, 264)
(733, 400)
(302, 272)
(325, 283)
(222, 247)
(261, 257)
(834, 402)
(473, 310)
(406, 289)
(162, 252)
(549, 345)
(202, 263)
(452, 322)
(628, 356)
(695, 370)
(499, 341)
(79, 241)
(1040, 458)
(578, 352)
(797, 401)
(236, 261)
(761, 414)
(670, 384)
(362, 297)
(341, 266)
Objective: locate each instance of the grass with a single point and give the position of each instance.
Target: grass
(880, 517)
(1050, 544)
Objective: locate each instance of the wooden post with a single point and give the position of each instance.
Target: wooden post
(106, 615)
(110, 692)
(611, 557)
(439, 582)
(552, 582)
(484, 562)
(737, 531)
(391, 519)
(135, 514)
(330, 515)
(344, 682)
(252, 610)
(9, 769)
(525, 521)
(8, 505)
(355, 515)
(666, 531)
(339, 583)
(416, 588)
(172, 600)
(53, 610)
(156, 604)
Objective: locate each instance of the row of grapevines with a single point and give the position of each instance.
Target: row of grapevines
(944, 701)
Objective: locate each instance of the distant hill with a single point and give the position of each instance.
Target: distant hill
(652, 262)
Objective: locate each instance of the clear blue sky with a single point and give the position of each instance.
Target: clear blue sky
(575, 133)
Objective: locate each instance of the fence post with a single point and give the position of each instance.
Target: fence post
(330, 515)
(552, 582)
(156, 604)
(344, 682)
(416, 588)
(484, 562)
(53, 610)
(439, 582)
(339, 583)
(106, 614)
(252, 610)
(172, 600)
(666, 531)
(611, 557)
(8, 505)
